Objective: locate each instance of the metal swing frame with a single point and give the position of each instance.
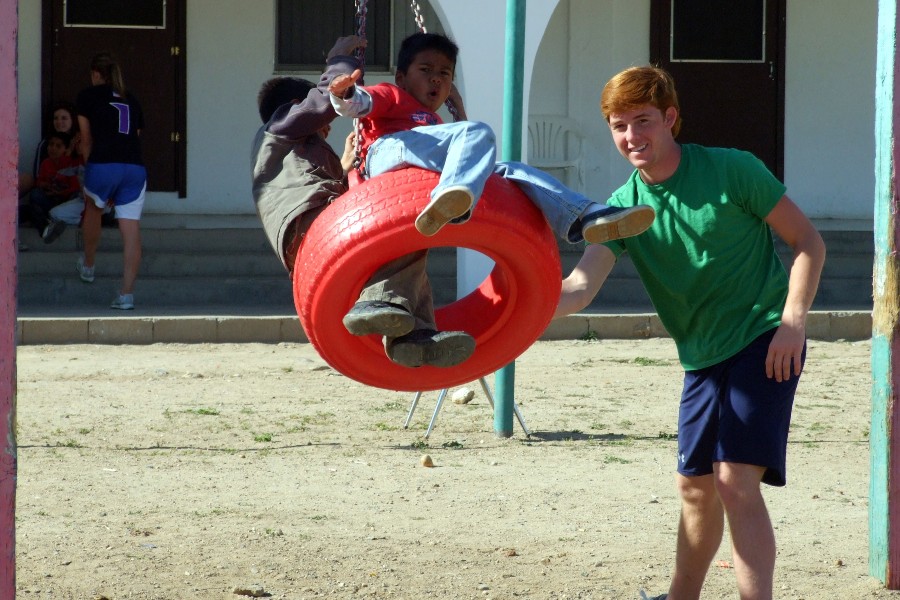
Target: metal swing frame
(440, 402)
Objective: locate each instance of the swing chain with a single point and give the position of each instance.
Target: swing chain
(417, 13)
(361, 56)
(361, 29)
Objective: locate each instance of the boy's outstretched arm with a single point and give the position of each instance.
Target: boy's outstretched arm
(349, 99)
(342, 85)
(310, 114)
(583, 283)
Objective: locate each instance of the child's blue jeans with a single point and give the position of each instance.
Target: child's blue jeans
(464, 153)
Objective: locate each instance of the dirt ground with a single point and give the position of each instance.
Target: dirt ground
(211, 471)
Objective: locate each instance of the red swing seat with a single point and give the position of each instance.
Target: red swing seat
(373, 223)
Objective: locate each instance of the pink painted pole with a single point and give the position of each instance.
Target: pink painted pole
(9, 245)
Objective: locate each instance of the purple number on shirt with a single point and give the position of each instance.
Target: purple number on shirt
(124, 116)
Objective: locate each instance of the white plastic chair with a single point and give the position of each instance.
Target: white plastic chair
(555, 143)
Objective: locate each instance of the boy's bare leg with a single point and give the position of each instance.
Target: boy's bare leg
(753, 540)
(700, 530)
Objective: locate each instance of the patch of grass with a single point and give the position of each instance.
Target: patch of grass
(452, 444)
(263, 437)
(663, 435)
(387, 407)
(420, 445)
(615, 460)
(320, 418)
(69, 443)
(622, 441)
(650, 362)
(215, 512)
(85, 430)
(202, 411)
(382, 426)
(590, 336)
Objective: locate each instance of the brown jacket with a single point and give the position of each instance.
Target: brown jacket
(294, 168)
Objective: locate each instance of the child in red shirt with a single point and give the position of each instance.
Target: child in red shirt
(57, 180)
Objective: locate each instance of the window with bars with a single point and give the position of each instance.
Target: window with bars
(716, 31)
(307, 29)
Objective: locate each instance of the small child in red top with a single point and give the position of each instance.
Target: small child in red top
(57, 180)
(52, 178)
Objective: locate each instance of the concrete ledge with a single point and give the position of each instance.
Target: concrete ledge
(185, 330)
(194, 329)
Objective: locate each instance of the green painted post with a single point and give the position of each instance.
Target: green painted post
(511, 149)
(884, 438)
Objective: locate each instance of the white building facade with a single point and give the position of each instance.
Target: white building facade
(572, 47)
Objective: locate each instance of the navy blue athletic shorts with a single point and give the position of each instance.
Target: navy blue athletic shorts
(731, 412)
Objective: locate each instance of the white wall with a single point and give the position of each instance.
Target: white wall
(829, 102)
(230, 52)
(829, 147)
(829, 158)
(29, 82)
(586, 43)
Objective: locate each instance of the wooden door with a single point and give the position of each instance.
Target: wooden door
(727, 59)
(148, 39)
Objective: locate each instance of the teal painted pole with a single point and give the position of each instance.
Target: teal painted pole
(884, 437)
(511, 149)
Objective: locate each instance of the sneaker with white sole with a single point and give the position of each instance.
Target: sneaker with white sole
(85, 273)
(123, 302)
(614, 223)
(53, 230)
(644, 596)
(452, 202)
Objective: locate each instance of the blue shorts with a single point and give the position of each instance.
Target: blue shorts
(731, 412)
(122, 184)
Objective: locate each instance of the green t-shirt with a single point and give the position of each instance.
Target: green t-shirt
(708, 261)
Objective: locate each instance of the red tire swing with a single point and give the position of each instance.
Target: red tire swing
(373, 223)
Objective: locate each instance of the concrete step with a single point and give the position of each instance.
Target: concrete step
(179, 268)
(236, 266)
